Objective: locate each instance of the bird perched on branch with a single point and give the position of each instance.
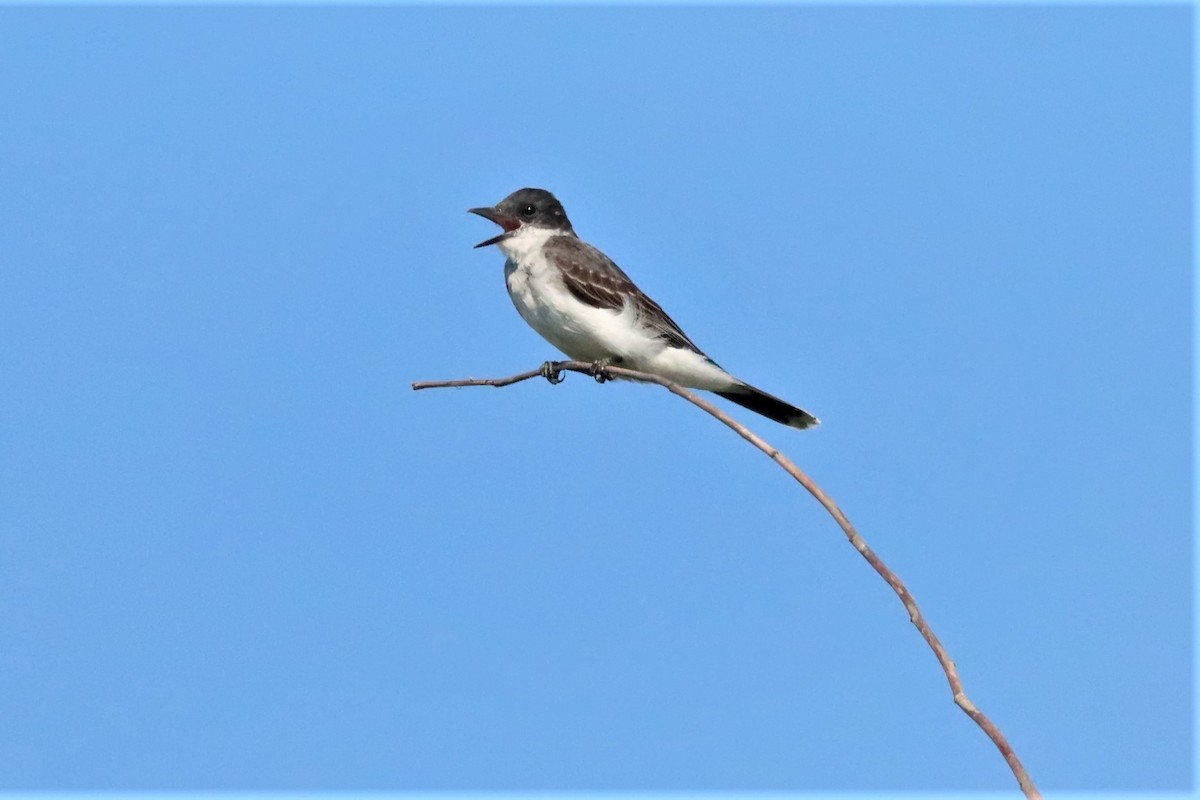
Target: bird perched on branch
(583, 304)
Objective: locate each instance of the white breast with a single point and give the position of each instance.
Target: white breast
(544, 302)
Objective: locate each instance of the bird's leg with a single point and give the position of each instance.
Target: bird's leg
(551, 372)
(600, 370)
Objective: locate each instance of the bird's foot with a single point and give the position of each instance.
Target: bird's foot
(551, 372)
(600, 371)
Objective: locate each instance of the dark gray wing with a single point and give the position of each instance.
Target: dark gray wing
(593, 278)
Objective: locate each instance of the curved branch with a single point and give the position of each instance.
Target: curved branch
(551, 370)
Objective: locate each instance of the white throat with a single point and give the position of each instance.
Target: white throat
(526, 242)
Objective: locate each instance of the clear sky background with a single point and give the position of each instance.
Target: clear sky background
(238, 552)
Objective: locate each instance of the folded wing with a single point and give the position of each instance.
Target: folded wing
(593, 278)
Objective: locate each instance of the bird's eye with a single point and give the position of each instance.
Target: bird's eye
(528, 211)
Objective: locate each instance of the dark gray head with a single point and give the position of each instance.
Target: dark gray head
(525, 207)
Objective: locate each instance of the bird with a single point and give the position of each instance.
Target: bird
(581, 302)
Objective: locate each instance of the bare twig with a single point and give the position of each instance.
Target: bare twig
(552, 369)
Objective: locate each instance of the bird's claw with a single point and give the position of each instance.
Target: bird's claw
(551, 372)
(600, 371)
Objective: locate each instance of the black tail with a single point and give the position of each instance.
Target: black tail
(770, 407)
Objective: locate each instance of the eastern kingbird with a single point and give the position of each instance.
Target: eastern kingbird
(583, 304)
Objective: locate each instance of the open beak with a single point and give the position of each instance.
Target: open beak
(510, 224)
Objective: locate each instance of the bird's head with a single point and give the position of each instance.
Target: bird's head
(525, 209)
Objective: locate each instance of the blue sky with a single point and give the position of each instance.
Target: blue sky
(238, 552)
